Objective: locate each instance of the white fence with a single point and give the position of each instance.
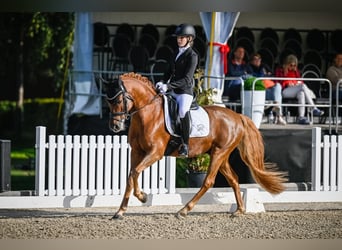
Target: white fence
(93, 165)
(326, 161)
(91, 171)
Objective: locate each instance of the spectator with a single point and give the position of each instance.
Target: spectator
(296, 89)
(334, 74)
(273, 90)
(237, 67)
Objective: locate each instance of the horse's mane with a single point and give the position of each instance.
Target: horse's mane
(139, 77)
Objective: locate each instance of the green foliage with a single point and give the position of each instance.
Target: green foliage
(50, 38)
(182, 164)
(6, 106)
(22, 172)
(36, 49)
(38, 112)
(22, 153)
(199, 163)
(248, 84)
(42, 32)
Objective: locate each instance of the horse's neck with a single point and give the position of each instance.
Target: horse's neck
(144, 97)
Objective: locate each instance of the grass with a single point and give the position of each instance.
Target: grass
(38, 111)
(22, 179)
(22, 171)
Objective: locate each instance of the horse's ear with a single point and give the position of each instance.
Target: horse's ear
(112, 87)
(105, 82)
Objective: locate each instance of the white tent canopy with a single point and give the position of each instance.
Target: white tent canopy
(218, 27)
(87, 100)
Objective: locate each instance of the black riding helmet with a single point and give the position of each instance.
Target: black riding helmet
(185, 30)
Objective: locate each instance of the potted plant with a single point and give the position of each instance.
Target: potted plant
(196, 167)
(254, 110)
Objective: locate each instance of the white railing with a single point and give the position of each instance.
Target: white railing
(93, 165)
(326, 161)
(338, 104)
(318, 80)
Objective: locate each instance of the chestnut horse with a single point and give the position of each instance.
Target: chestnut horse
(134, 96)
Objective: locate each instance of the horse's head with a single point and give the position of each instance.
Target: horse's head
(126, 96)
(119, 103)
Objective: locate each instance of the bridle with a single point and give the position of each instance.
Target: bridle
(113, 100)
(126, 97)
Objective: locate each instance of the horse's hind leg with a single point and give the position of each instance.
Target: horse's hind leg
(233, 181)
(216, 160)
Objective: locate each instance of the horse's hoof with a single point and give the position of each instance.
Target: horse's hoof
(237, 213)
(117, 217)
(144, 198)
(181, 215)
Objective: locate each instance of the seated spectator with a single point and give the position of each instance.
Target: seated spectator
(273, 90)
(236, 68)
(296, 89)
(334, 74)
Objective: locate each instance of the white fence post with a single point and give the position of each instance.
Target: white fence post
(100, 166)
(316, 159)
(40, 160)
(52, 165)
(326, 163)
(171, 174)
(76, 165)
(333, 166)
(339, 164)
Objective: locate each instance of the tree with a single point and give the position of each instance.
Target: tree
(36, 49)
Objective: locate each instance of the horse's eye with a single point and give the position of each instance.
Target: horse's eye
(115, 101)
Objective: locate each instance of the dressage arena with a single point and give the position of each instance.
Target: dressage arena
(285, 221)
(309, 215)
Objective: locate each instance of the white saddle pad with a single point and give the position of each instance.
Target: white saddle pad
(199, 121)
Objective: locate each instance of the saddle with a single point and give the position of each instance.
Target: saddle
(172, 111)
(199, 120)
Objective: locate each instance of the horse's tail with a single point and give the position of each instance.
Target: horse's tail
(252, 153)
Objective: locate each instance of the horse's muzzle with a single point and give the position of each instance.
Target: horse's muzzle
(118, 126)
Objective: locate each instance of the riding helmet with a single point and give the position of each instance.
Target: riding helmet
(185, 30)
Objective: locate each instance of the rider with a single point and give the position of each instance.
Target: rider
(179, 79)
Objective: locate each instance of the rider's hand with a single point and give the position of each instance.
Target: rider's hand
(162, 87)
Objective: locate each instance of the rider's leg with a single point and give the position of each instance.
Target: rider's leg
(184, 102)
(185, 132)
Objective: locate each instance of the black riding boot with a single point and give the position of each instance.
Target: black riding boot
(185, 131)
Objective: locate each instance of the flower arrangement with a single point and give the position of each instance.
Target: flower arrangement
(204, 96)
(199, 163)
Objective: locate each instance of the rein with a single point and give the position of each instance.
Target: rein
(127, 97)
(138, 109)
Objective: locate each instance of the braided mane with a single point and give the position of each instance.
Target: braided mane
(139, 77)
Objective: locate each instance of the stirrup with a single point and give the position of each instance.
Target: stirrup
(183, 150)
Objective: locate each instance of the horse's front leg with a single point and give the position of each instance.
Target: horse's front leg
(141, 196)
(132, 183)
(139, 163)
(125, 199)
